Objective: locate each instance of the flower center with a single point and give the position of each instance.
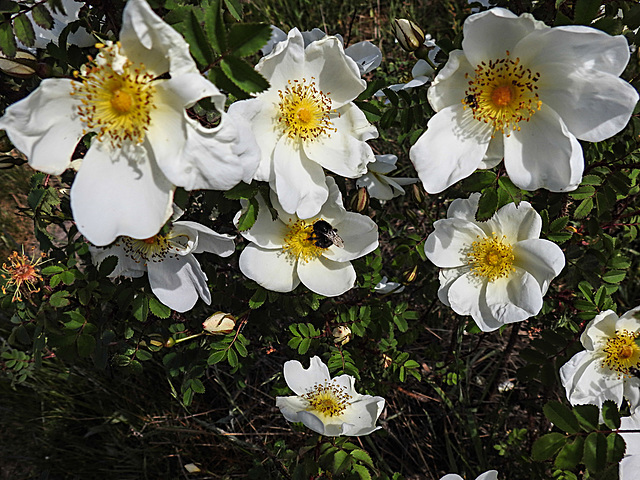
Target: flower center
(503, 93)
(116, 98)
(21, 271)
(304, 110)
(622, 352)
(491, 257)
(329, 399)
(299, 242)
(153, 249)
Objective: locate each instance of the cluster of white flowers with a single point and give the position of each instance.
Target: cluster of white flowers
(526, 96)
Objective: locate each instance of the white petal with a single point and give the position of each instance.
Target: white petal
(602, 327)
(544, 154)
(447, 277)
(271, 269)
(265, 232)
(489, 475)
(302, 380)
(291, 406)
(594, 105)
(451, 83)
(376, 187)
(126, 266)
(147, 39)
(451, 149)
(631, 391)
(494, 154)
(45, 125)
(333, 210)
(336, 75)
(541, 258)
(208, 240)
(464, 208)
(360, 236)
(361, 416)
(178, 282)
(447, 246)
(452, 476)
(326, 277)
(515, 298)
(630, 465)
(119, 196)
(299, 182)
(517, 223)
(285, 62)
(343, 152)
(588, 382)
(367, 56)
(482, 41)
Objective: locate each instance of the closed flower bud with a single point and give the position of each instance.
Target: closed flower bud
(220, 323)
(410, 276)
(361, 200)
(341, 335)
(410, 36)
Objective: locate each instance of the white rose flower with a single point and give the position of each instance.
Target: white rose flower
(603, 370)
(307, 121)
(378, 184)
(630, 464)
(144, 143)
(174, 273)
(496, 271)
(367, 56)
(330, 407)
(488, 475)
(290, 250)
(521, 90)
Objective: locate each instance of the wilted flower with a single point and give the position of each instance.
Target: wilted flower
(378, 184)
(630, 464)
(220, 323)
(488, 475)
(521, 90)
(409, 35)
(144, 144)
(174, 273)
(384, 286)
(307, 121)
(21, 273)
(290, 250)
(327, 406)
(366, 55)
(603, 371)
(496, 271)
(341, 334)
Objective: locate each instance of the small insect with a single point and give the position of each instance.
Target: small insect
(324, 235)
(471, 101)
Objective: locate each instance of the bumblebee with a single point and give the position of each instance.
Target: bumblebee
(471, 101)
(324, 235)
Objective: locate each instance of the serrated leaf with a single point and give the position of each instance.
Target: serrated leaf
(304, 345)
(9, 6)
(235, 8)
(588, 416)
(616, 448)
(562, 417)
(571, 454)
(513, 192)
(51, 269)
(140, 308)
(23, 28)
(487, 204)
(478, 180)
(143, 355)
(584, 208)
(586, 11)
(197, 385)
(59, 299)
(362, 457)
(258, 298)
(249, 215)
(232, 358)
(547, 445)
(243, 75)
(362, 472)
(86, 345)
(214, 26)
(558, 224)
(42, 17)
(158, 308)
(198, 44)
(7, 40)
(242, 190)
(220, 80)
(614, 276)
(248, 38)
(217, 357)
(108, 265)
(611, 415)
(595, 452)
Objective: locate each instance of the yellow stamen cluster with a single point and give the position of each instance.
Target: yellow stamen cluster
(328, 398)
(115, 98)
(23, 273)
(299, 243)
(491, 257)
(152, 249)
(622, 352)
(503, 93)
(304, 110)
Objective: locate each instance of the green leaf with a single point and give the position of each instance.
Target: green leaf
(595, 452)
(558, 224)
(232, 358)
(487, 204)
(258, 298)
(362, 457)
(586, 11)
(242, 190)
(143, 355)
(562, 417)
(108, 265)
(235, 8)
(86, 345)
(8, 6)
(362, 472)
(616, 447)
(547, 445)
(217, 357)
(243, 75)
(304, 345)
(478, 180)
(197, 386)
(42, 17)
(214, 26)
(23, 29)
(249, 215)
(248, 38)
(7, 40)
(611, 415)
(584, 208)
(571, 454)
(51, 269)
(614, 276)
(514, 192)
(141, 307)
(588, 416)
(198, 44)
(159, 309)
(59, 299)
(220, 80)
